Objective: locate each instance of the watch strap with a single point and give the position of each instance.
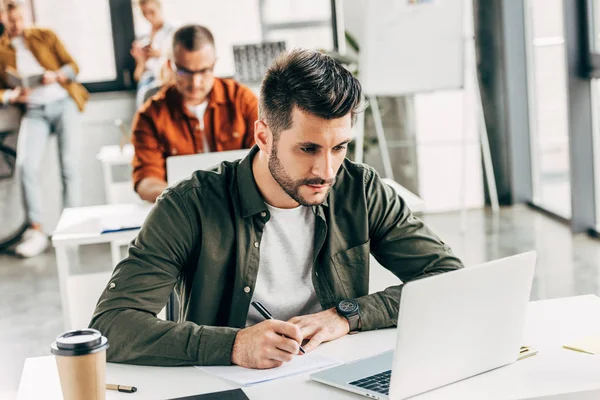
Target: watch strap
(353, 322)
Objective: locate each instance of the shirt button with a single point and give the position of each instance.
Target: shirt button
(236, 135)
(263, 214)
(112, 285)
(256, 244)
(247, 289)
(174, 151)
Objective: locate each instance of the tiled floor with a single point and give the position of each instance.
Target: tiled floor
(567, 265)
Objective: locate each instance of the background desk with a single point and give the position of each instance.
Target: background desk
(82, 226)
(550, 324)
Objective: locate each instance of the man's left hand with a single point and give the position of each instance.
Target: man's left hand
(62, 78)
(151, 52)
(321, 327)
(54, 76)
(49, 77)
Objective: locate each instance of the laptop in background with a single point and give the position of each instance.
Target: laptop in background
(182, 167)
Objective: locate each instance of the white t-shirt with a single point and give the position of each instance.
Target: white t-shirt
(28, 65)
(284, 282)
(199, 111)
(162, 41)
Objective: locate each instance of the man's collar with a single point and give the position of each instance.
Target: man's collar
(250, 198)
(216, 96)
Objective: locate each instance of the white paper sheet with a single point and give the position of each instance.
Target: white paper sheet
(245, 376)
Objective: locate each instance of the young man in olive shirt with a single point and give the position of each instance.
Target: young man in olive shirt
(223, 239)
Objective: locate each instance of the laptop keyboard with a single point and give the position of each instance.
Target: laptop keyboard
(379, 383)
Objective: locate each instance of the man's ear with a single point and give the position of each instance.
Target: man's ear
(263, 136)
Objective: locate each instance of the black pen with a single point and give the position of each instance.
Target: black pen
(267, 315)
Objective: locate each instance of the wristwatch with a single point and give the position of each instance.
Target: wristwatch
(349, 309)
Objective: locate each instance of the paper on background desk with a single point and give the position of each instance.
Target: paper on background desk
(123, 222)
(246, 376)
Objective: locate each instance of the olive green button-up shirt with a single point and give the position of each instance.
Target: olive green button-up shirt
(203, 236)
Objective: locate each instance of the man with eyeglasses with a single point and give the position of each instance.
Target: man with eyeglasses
(197, 113)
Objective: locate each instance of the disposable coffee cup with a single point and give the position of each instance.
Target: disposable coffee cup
(81, 361)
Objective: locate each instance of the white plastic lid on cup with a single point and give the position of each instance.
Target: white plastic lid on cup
(79, 342)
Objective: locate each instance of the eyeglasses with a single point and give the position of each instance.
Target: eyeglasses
(187, 74)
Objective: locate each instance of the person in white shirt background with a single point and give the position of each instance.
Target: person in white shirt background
(150, 50)
(52, 107)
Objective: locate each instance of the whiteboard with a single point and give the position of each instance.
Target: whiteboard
(411, 46)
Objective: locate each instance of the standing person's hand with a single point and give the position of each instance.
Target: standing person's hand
(61, 77)
(151, 52)
(20, 96)
(321, 327)
(49, 77)
(138, 53)
(262, 346)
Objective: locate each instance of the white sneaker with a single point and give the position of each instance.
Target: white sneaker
(33, 244)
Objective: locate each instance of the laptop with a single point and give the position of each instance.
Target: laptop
(182, 167)
(450, 327)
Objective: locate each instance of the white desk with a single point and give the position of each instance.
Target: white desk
(553, 371)
(82, 226)
(415, 203)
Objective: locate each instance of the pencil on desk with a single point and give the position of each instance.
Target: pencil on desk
(121, 388)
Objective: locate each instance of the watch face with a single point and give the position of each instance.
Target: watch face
(347, 306)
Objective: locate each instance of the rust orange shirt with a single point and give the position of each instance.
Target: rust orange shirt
(164, 127)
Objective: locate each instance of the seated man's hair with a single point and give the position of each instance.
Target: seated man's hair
(192, 37)
(311, 81)
(142, 3)
(11, 5)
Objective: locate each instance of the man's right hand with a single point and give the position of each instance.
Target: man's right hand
(20, 96)
(261, 346)
(138, 53)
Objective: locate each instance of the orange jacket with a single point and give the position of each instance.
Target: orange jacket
(49, 51)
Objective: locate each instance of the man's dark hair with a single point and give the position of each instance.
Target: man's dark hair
(192, 37)
(311, 81)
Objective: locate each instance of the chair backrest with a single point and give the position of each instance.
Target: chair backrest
(182, 167)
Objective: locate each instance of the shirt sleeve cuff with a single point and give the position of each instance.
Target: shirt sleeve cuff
(373, 313)
(216, 345)
(68, 71)
(8, 95)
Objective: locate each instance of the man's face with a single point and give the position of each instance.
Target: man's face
(151, 11)
(15, 22)
(194, 72)
(306, 158)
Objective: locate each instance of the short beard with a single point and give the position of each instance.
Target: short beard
(291, 187)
